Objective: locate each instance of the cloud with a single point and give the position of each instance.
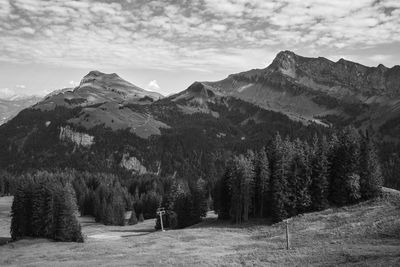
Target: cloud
(204, 35)
(73, 83)
(379, 58)
(6, 93)
(153, 86)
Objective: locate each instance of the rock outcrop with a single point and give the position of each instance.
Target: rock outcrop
(132, 164)
(80, 139)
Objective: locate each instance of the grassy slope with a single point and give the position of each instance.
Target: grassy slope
(363, 234)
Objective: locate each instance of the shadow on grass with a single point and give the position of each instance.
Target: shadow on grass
(4, 240)
(215, 223)
(134, 231)
(144, 233)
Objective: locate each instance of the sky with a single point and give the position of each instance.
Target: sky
(165, 45)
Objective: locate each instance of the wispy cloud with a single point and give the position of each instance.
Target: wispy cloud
(6, 93)
(199, 35)
(153, 86)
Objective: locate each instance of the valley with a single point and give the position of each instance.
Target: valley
(10, 107)
(364, 234)
(199, 133)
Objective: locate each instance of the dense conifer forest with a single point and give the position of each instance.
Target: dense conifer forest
(284, 178)
(290, 177)
(246, 163)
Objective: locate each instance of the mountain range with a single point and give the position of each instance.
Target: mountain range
(10, 106)
(109, 123)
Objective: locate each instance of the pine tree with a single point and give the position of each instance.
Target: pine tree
(224, 193)
(67, 225)
(279, 189)
(235, 184)
(141, 218)
(344, 165)
(370, 170)
(133, 219)
(38, 206)
(247, 186)
(49, 213)
(44, 206)
(319, 174)
(18, 216)
(352, 185)
(302, 177)
(262, 183)
(241, 186)
(200, 199)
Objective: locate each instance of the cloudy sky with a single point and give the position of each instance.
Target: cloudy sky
(164, 45)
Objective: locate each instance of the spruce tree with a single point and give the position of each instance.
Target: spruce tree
(370, 170)
(279, 189)
(352, 185)
(302, 177)
(200, 199)
(262, 183)
(224, 193)
(319, 174)
(18, 216)
(344, 165)
(133, 219)
(235, 189)
(38, 209)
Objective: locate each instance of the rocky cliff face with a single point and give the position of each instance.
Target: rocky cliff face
(315, 90)
(357, 78)
(104, 100)
(113, 84)
(80, 139)
(132, 164)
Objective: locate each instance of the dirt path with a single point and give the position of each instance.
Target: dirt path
(366, 234)
(5, 219)
(97, 231)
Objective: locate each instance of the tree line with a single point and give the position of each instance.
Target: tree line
(285, 178)
(290, 177)
(45, 206)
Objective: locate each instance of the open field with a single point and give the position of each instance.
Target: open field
(359, 235)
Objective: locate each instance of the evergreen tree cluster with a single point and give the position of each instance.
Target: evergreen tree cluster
(102, 196)
(107, 197)
(44, 206)
(7, 183)
(185, 204)
(147, 191)
(290, 177)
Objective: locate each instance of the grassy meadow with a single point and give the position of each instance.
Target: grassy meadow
(366, 234)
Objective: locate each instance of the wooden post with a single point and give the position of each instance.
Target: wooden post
(161, 212)
(287, 234)
(162, 224)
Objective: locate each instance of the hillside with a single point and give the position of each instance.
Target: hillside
(183, 135)
(365, 234)
(320, 90)
(11, 106)
(106, 121)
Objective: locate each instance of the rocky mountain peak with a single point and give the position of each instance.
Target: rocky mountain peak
(96, 75)
(285, 62)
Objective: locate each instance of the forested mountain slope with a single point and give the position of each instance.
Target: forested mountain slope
(108, 124)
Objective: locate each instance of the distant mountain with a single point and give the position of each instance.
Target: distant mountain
(109, 124)
(10, 107)
(318, 90)
(102, 97)
(95, 88)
